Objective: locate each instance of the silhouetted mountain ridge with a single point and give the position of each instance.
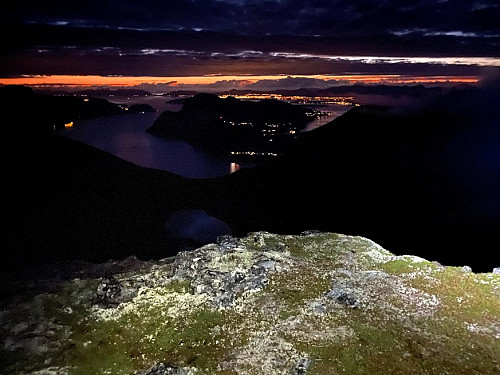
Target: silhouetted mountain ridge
(131, 92)
(223, 125)
(66, 200)
(37, 114)
(416, 91)
(96, 92)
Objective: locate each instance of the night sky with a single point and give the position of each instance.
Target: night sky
(288, 43)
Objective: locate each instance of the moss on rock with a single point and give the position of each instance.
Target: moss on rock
(318, 303)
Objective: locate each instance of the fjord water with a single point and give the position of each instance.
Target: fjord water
(125, 136)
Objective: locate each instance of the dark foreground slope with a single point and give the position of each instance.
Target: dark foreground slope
(67, 200)
(420, 180)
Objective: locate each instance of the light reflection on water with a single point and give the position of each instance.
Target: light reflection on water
(333, 111)
(125, 136)
(234, 167)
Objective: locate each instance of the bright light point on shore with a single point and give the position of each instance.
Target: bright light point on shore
(68, 125)
(234, 167)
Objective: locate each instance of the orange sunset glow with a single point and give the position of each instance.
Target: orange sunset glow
(96, 80)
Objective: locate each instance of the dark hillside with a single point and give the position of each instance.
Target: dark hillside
(220, 126)
(33, 114)
(417, 180)
(67, 200)
(424, 181)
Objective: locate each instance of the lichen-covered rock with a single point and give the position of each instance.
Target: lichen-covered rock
(163, 369)
(317, 303)
(110, 293)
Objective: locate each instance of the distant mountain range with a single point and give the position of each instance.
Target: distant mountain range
(122, 93)
(395, 91)
(391, 90)
(125, 93)
(357, 89)
(417, 90)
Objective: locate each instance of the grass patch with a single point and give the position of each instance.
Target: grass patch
(406, 265)
(296, 286)
(134, 342)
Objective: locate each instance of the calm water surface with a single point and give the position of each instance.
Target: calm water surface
(333, 111)
(125, 136)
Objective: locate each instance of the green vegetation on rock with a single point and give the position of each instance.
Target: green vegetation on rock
(318, 303)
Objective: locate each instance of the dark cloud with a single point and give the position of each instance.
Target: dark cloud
(490, 78)
(186, 37)
(258, 17)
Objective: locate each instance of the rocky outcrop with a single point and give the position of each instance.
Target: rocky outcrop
(316, 303)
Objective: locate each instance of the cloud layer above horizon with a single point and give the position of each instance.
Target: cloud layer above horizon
(238, 37)
(277, 17)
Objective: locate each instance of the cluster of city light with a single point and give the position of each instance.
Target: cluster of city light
(272, 126)
(253, 153)
(271, 130)
(340, 100)
(233, 123)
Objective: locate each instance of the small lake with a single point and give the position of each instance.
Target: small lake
(125, 136)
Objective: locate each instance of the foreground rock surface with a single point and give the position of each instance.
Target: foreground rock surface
(318, 303)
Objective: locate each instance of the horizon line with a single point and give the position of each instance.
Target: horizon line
(213, 80)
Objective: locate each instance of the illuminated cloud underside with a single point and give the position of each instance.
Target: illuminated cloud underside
(477, 61)
(248, 54)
